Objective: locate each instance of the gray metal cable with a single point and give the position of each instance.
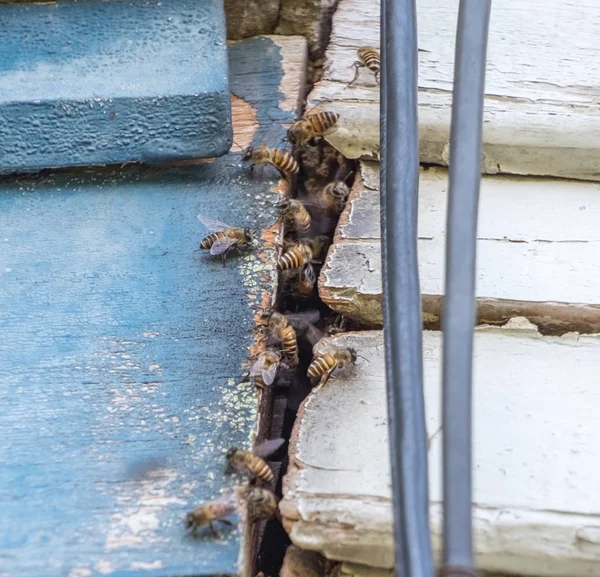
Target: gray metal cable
(459, 314)
(402, 297)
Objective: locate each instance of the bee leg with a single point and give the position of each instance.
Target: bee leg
(377, 77)
(357, 65)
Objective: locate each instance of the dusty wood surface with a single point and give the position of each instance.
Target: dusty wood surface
(541, 105)
(537, 453)
(536, 251)
(123, 345)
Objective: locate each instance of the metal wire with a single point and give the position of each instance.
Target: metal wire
(402, 297)
(459, 314)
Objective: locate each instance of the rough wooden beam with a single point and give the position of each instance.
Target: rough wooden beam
(537, 251)
(540, 109)
(123, 346)
(537, 448)
(92, 83)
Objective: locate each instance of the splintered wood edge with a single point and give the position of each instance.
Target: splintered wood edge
(551, 317)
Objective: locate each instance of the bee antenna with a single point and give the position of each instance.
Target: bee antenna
(234, 142)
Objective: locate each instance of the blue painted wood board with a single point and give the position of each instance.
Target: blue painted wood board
(121, 352)
(107, 82)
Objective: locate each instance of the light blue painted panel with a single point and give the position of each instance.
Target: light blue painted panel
(99, 82)
(121, 348)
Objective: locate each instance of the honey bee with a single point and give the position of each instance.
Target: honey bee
(330, 360)
(333, 197)
(224, 237)
(303, 282)
(369, 57)
(297, 256)
(296, 212)
(264, 369)
(312, 126)
(262, 503)
(279, 332)
(209, 513)
(252, 464)
(283, 161)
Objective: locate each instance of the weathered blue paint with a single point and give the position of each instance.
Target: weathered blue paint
(99, 82)
(121, 348)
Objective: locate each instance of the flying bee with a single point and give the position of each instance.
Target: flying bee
(224, 237)
(296, 213)
(264, 369)
(333, 197)
(312, 126)
(262, 503)
(279, 332)
(283, 161)
(329, 360)
(252, 464)
(209, 513)
(369, 57)
(296, 256)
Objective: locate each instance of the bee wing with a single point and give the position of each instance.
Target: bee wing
(222, 244)
(212, 224)
(309, 272)
(299, 320)
(268, 375)
(257, 366)
(313, 335)
(268, 447)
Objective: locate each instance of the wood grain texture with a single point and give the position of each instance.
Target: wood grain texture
(536, 507)
(536, 251)
(88, 83)
(541, 104)
(121, 353)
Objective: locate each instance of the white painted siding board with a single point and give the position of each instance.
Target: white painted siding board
(542, 89)
(538, 243)
(537, 449)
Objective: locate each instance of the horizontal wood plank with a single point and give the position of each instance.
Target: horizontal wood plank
(88, 83)
(536, 251)
(122, 348)
(537, 447)
(541, 97)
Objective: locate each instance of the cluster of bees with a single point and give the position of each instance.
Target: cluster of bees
(303, 248)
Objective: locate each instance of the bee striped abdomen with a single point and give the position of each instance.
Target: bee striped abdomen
(371, 58)
(302, 221)
(323, 121)
(293, 258)
(261, 469)
(211, 239)
(284, 161)
(289, 346)
(320, 365)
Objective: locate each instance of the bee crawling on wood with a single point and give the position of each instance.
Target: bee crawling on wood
(223, 237)
(331, 359)
(295, 212)
(262, 503)
(333, 197)
(303, 253)
(264, 369)
(279, 333)
(312, 126)
(283, 161)
(301, 282)
(252, 464)
(210, 512)
(369, 57)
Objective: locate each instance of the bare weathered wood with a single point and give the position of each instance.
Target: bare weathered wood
(537, 449)
(541, 90)
(537, 251)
